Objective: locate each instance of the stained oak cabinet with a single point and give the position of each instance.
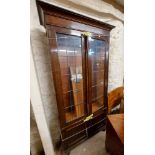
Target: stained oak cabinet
(79, 58)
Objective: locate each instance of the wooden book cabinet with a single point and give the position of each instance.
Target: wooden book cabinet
(79, 57)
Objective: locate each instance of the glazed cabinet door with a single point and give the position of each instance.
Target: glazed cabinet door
(97, 89)
(68, 66)
(97, 71)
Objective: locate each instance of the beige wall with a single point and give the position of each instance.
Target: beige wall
(97, 9)
(40, 134)
(35, 140)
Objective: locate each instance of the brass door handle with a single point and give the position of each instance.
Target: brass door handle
(88, 118)
(88, 34)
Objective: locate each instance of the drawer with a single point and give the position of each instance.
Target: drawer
(73, 140)
(96, 124)
(96, 119)
(72, 130)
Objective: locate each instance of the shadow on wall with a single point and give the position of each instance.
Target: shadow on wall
(41, 56)
(35, 141)
(86, 8)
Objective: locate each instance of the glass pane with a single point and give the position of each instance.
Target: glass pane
(97, 55)
(97, 91)
(97, 76)
(70, 60)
